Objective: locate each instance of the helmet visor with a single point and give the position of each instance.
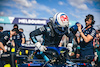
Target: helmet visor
(62, 29)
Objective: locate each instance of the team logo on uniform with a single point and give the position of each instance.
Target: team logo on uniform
(5, 37)
(64, 18)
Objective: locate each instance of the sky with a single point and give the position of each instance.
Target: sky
(76, 10)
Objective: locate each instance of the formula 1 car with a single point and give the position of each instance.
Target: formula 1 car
(52, 57)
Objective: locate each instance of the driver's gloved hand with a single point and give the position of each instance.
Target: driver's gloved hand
(40, 47)
(69, 47)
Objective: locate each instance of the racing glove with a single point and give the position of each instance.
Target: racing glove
(40, 47)
(69, 47)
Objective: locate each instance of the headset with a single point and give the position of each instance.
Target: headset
(90, 16)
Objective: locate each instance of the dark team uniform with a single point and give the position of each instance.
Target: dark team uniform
(50, 37)
(5, 37)
(0, 34)
(87, 48)
(18, 39)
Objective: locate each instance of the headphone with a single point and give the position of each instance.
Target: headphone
(90, 16)
(93, 22)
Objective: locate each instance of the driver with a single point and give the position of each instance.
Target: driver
(53, 32)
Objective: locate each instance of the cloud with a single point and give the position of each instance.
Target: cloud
(75, 15)
(54, 10)
(28, 14)
(24, 3)
(97, 0)
(60, 3)
(89, 1)
(50, 11)
(33, 5)
(1, 13)
(80, 4)
(34, 2)
(44, 8)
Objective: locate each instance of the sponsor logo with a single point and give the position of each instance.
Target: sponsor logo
(5, 37)
(64, 18)
(30, 21)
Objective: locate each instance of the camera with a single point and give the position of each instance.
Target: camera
(74, 28)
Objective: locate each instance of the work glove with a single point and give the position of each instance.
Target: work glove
(69, 47)
(40, 47)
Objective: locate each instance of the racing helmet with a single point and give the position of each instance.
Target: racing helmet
(60, 23)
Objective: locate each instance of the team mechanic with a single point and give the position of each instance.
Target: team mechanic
(19, 38)
(53, 32)
(7, 38)
(86, 38)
